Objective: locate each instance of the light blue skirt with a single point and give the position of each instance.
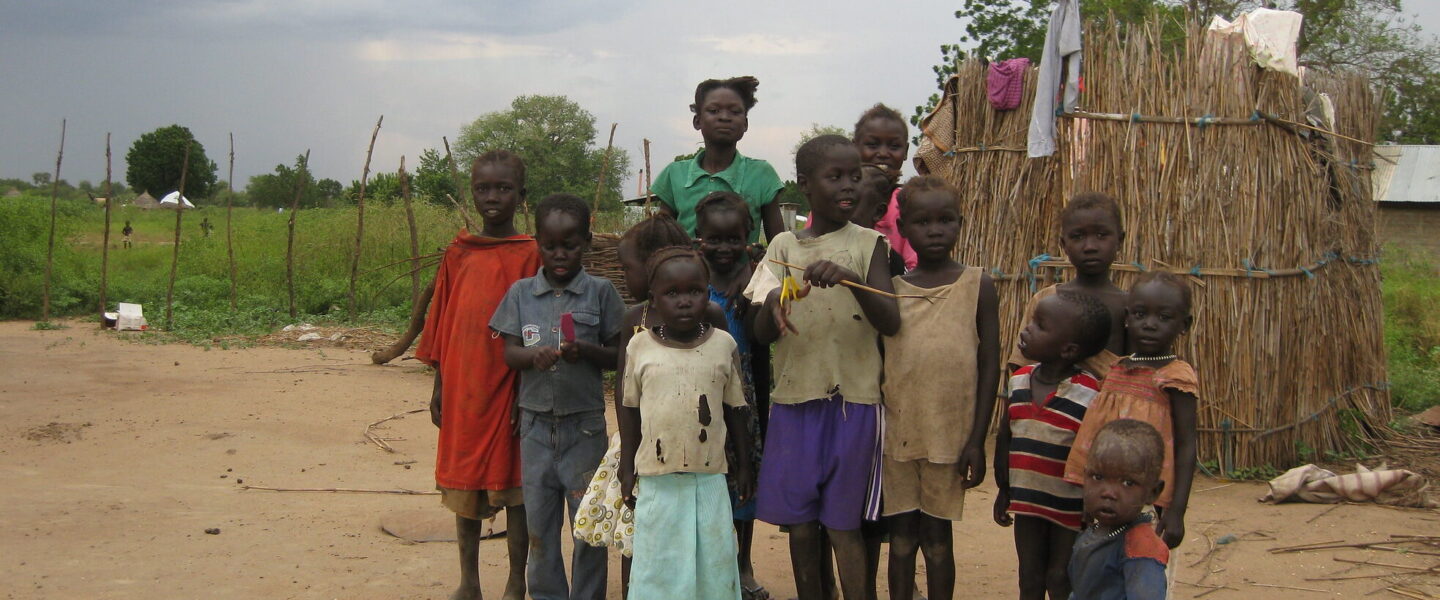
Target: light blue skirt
(684, 539)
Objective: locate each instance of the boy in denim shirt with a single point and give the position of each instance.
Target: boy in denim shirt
(561, 401)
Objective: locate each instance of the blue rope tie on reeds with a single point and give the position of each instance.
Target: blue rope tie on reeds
(1139, 266)
(1195, 270)
(1135, 117)
(1204, 120)
(1034, 264)
(1255, 115)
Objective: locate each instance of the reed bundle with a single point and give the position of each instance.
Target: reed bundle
(1221, 175)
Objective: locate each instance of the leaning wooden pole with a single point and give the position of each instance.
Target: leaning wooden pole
(301, 175)
(417, 324)
(460, 187)
(647, 195)
(360, 215)
(414, 231)
(105, 237)
(230, 219)
(50, 251)
(604, 167)
(175, 251)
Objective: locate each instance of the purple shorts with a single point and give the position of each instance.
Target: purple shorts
(820, 464)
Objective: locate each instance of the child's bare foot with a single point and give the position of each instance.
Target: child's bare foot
(750, 589)
(466, 592)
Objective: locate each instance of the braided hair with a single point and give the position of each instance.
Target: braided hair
(722, 201)
(656, 231)
(500, 157)
(664, 255)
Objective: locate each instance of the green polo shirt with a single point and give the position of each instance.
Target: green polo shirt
(683, 184)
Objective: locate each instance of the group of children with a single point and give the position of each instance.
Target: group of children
(872, 413)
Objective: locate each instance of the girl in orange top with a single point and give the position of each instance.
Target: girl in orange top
(1154, 386)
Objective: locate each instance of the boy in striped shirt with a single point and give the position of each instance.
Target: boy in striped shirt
(1047, 402)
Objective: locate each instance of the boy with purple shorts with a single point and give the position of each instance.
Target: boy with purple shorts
(822, 446)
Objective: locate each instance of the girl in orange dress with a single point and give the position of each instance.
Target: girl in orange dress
(1154, 386)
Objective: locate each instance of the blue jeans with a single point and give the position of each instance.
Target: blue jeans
(558, 456)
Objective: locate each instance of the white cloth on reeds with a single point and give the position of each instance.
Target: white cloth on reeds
(1062, 45)
(1270, 35)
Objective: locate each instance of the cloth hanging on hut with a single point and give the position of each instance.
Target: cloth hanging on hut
(1005, 83)
(1270, 35)
(1062, 47)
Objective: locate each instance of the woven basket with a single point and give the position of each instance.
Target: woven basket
(603, 260)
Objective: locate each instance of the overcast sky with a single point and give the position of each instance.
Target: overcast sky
(287, 75)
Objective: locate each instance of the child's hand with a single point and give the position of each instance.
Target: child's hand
(544, 358)
(1002, 508)
(1171, 528)
(823, 273)
(515, 419)
(627, 487)
(744, 482)
(781, 311)
(435, 408)
(971, 466)
(570, 351)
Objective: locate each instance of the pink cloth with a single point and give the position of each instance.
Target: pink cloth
(890, 226)
(1005, 83)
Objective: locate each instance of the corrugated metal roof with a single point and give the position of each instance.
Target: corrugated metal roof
(1407, 174)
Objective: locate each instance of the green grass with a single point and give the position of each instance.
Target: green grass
(325, 239)
(1412, 327)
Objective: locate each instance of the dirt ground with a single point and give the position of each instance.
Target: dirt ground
(116, 457)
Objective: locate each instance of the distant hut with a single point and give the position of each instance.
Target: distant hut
(13, 192)
(1407, 193)
(145, 201)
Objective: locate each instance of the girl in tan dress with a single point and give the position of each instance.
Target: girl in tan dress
(1154, 386)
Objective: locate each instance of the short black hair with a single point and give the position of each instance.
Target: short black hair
(808, 157)
(1092, 329)
(879, 111)
(1093, 200)
(744, 86)
(920, 184)
(1134, 440)
(722, 201)
(564, 203)
(1170, 279)
(664, 255)
(500, 157)
(652, 233)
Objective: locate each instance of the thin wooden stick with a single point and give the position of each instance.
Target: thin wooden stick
(861, 286)
(464, 214)
(301, 175)
(50, 250)
(455, 180)
(403, 260)
(1408, 593)
(604, 166)
(360, 216)
(105, 241)
(229, 221)
(414, 233)
(417, 324)
(175, 251)
(1303, 547)
(403, 492)
(379, 441)
(1288, 587)
(1211, 489)
(1323, 513)
(649, 198)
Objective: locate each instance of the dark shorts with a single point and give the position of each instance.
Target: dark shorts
(819, 463)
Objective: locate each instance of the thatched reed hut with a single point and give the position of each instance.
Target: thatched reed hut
(145, 201)
(1222, 177)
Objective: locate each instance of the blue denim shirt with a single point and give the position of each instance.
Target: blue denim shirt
(531, 311)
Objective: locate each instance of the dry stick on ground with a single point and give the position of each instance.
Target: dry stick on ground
(230, 219)
(342, 490)
(379, 441)
(300, 176)
(414, 233)
(105, 240)
(604, 166)
(50, 251)
(360, 216)
(1408, 593)
(1323, 513)
(1289, 587)
(175, 252)
(1381, 545)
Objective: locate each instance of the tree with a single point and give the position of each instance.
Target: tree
(40, 179)
(556, 137)
(330, 190)
(382, 187)
(153, 163)
(1370, 36)
(432, 180)
(277, 189)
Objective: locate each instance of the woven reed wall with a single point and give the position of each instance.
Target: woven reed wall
(1273, 220)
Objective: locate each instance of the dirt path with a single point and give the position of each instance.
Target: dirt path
(115, 457)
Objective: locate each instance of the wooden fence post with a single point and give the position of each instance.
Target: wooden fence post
(50, 252)
(175, 252)
(360, 216)
(301, 175)
(105, 239)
